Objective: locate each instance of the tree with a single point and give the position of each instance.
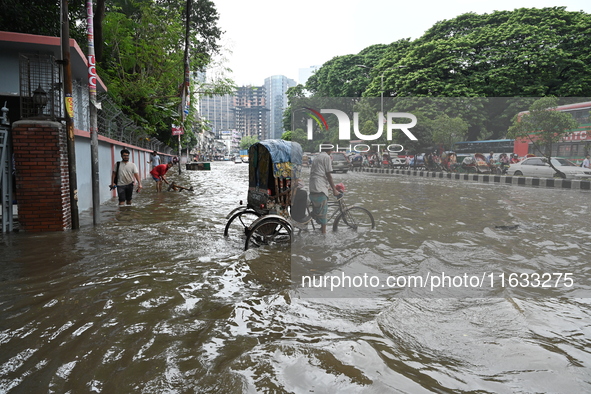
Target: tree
(342, 76)
(447, 131)
(287, 135)
(543, 126)
(139, 49)
(247, 141)
(43, 18)
(525, 52)
(143, 64)
(520, 53)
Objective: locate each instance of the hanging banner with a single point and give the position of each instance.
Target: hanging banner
(70, 105)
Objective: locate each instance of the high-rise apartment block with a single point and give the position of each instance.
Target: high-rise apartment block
(218, 111)
(276, 90)
(250, 111)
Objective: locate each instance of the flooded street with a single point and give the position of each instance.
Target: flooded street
(156, 300)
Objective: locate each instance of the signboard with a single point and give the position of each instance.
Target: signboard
(177, 130)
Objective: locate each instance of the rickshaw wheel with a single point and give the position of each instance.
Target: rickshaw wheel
(239, 223)
(356, 218)
(269, 231)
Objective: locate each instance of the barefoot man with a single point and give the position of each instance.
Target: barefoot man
(159, 174)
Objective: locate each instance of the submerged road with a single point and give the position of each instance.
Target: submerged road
(155, 299)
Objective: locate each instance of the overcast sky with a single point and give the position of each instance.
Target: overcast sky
(278, 37)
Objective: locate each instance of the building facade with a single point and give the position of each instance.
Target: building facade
(219, 113)
(276, 97)
(250, 111)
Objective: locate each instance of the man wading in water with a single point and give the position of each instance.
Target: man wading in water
(123, 176)
(320, 183)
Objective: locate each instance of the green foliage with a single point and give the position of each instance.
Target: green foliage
(287, 135)
(140, 52)
(143, 62)
(447, 131)
(509, 54)
(42, 17)
(342, 76)
(525, 52)
(542, 125)
(247, 141)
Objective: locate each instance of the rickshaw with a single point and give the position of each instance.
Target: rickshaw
(482, 166)
(275, 203)
(273, 164)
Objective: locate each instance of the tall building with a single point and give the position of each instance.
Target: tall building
(251, 111)
(218, 111)
(276, 90)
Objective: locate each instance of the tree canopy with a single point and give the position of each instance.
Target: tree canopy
(519, 54)
(543, 126)
(140, 46)
(247, 141)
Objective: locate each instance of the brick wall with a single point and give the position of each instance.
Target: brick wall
(42, 182)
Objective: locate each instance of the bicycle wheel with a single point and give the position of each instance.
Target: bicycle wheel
(269, 231)
(355, 218)
(239, 222)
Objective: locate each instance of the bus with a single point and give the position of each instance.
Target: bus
(485, 147)
(574, 145)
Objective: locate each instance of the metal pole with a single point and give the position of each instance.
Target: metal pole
(96, 194)
(69, 114)
(186, 74)
(180, 154)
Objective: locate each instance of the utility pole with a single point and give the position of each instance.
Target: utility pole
(186, 79)
(69, 114)
(94, 106)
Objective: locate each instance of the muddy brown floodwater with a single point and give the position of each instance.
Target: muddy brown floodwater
(156, 300)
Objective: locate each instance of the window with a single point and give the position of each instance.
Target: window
(533, 162)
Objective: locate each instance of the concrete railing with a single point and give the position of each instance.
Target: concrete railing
(555, 183)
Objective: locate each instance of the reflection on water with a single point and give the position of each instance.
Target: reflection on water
(155, 299)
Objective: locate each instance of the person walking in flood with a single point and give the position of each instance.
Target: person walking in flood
(159, 175)
(124, 175)
(154, 159)
(320, 184)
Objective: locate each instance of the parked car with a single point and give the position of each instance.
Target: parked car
(539, 167)
(340, 162)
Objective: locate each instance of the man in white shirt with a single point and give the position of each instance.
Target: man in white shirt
(320, 184)
(123, 176)
(586, 162)
(154, 159)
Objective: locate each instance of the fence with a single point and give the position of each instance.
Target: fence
(114, 124)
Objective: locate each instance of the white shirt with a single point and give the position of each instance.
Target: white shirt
(320, 166)
(585, 163)
(155, 160)
(126, 171)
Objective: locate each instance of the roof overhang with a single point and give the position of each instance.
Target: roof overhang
(30, 43)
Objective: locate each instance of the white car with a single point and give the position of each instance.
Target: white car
(539, 167)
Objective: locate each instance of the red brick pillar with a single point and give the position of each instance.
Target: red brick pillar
(42, 186)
